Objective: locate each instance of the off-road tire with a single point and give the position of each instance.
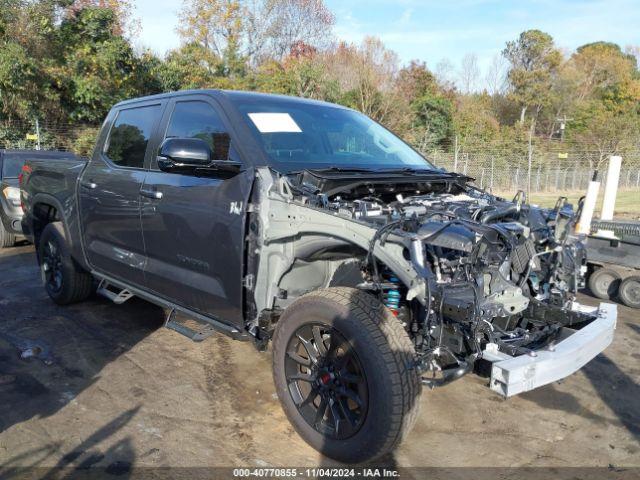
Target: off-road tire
(6, 239)
(629, 291)
(604, 283)
(387, 356)
(76, 283)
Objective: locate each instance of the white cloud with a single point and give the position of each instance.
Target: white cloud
(406, 17)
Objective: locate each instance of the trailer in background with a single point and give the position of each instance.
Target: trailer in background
(614, 261)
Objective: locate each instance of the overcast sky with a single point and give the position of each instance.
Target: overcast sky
(432, 30)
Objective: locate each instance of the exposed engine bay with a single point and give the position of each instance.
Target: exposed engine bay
(463, 270)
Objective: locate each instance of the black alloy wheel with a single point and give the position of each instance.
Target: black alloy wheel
(51, 265)
(326, 381)
(342, 368)
(64, 280)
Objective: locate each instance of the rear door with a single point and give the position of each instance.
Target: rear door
(193, 227)
(110, 194)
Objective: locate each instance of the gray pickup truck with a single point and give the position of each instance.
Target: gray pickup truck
(310, 227)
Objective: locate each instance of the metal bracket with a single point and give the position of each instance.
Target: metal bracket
(249, 281)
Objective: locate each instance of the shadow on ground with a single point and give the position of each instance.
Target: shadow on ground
(617, 390)
(50, 354)
(84, 457)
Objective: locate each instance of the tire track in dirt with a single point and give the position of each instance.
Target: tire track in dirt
(227, 401)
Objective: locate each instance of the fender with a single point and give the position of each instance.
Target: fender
(289, 231)
(69, 218)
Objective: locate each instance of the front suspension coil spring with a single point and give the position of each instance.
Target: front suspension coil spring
(391, 294)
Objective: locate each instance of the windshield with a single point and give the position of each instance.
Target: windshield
(300, 135)
(11, 167)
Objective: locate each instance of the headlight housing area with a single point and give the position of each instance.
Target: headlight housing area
(12, 194)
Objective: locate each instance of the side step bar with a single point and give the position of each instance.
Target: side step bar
(107, 290)
(191, 328)
(192, 324)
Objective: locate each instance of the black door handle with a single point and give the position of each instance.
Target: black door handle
(89, 185)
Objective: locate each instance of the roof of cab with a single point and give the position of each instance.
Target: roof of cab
(231, 95)
(35, 153)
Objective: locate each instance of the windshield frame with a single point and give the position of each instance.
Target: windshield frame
(246, 103)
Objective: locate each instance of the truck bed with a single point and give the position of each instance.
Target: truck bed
(54, 179)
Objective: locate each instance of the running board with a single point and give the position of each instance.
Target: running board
(115, 294)
(192, 328)
(196, 332)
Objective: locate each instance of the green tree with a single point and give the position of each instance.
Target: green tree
(190, 66)
(606, 101)
(98, 68)
(534, 61)
(430, 109)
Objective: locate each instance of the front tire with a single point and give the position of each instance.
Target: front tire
(6, 239)
(64, 280)
(343, 367)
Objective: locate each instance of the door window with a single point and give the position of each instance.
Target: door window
(130, 134)
(195, 119)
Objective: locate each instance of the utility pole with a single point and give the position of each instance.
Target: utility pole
(530, 159)
(37, 134)
(563, 124)
(455, 154)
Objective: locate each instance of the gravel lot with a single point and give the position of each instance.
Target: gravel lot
(112, 388)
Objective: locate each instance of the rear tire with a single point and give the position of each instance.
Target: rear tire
(64, 280)
(604, 283)
(6, 239)
(629, 291)
(370, 390)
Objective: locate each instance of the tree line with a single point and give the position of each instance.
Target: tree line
(66, 62)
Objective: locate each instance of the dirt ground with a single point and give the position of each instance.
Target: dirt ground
(112, 388)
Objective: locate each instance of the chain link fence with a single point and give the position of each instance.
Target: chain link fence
(74, 138)
(503, 171)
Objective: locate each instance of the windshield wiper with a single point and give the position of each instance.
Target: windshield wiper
(410, 170)
(377, 171)
(334, 168)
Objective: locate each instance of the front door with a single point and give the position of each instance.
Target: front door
(193, 227)
(110, 196)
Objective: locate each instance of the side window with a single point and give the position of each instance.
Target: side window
(195, 119)
(130, 134)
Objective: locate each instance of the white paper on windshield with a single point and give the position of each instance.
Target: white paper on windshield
(274, 123)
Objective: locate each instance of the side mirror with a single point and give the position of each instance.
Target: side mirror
(183, 153)
(193, 156)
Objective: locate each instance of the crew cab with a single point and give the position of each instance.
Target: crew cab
(308, 227)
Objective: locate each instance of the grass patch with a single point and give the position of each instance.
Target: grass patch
(627, 201)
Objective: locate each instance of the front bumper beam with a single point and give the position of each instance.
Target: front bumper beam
(574, 348)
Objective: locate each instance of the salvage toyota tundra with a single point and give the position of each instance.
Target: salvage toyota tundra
(311, 227)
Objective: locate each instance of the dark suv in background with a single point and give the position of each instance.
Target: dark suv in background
(11, 163)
